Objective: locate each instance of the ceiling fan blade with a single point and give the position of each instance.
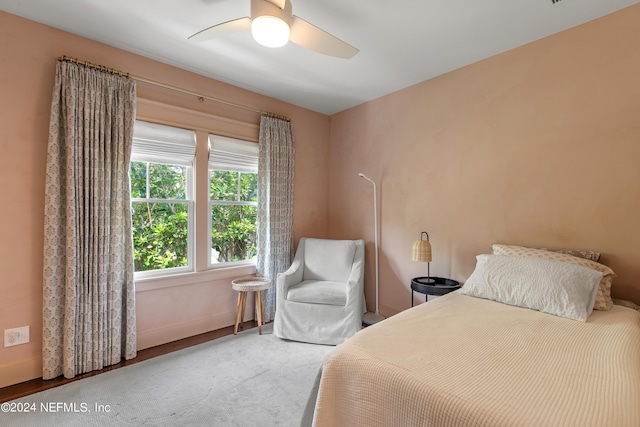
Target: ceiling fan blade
(311, 37)
(223, 29)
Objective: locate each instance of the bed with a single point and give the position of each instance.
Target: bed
(464, 360)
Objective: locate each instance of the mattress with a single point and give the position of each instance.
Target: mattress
(465, 361)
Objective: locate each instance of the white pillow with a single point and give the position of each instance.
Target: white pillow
(547, 285)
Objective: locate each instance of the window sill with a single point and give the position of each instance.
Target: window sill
(191, 278)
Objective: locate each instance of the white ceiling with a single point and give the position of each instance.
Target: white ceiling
(401, 42)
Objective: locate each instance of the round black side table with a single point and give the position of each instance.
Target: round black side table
(433, 286)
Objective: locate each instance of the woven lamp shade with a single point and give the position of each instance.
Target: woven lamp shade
(421, 251)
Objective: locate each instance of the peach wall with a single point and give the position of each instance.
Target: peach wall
(201, 303)
(537, 146)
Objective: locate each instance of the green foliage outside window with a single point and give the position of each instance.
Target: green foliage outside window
(233, 226)
(160, 230)
(165, 181)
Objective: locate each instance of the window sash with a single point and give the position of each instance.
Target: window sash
(238, 192)
(231, 203)
(152, 200)
(190, 240)
(168, 145)
(213, 203)
(236, 202)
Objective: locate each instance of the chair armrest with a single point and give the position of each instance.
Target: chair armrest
(293, 275)
(290, 277)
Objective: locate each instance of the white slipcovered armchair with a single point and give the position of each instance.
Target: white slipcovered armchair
(320, 298)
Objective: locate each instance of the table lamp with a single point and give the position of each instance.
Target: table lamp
(422, 251)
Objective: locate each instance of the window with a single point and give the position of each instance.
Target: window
(162, 201)
(233, 200)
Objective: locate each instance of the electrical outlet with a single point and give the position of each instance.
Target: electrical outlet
(16, 336)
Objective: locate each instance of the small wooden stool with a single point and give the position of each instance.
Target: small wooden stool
(251, 284)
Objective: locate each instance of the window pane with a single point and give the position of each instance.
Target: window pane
(223, 185)
(159, 235)
(249, 187)
(138, 174)
(233, 233)
(167, 181)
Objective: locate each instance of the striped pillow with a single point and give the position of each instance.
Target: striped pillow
(603, 297)
(591, 255)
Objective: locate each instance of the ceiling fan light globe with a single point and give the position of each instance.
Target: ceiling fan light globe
(270, 31)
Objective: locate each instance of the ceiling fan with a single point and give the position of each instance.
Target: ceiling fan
(273, 24)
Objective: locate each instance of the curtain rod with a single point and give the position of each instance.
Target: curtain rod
(200, 96)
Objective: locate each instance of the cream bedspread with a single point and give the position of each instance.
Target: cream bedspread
(465, 361)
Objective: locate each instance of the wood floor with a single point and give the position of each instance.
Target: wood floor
(34, 386)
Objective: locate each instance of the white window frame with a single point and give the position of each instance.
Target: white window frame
(204, 123)
(247, 162)
(160, 157)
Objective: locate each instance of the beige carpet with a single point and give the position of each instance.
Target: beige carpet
(242, 380)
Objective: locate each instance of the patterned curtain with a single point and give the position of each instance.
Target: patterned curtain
(89, 301)
(275, 203)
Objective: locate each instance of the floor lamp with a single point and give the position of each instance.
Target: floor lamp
(370, 318)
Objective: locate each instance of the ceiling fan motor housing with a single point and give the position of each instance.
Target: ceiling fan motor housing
(273, 25)
(266, 8)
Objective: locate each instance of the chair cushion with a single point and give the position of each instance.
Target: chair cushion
(319, 292)
(330, 260)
